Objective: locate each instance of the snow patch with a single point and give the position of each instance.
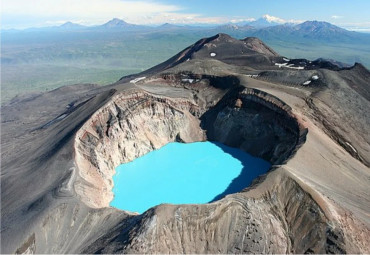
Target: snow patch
(212, 54)
(137, 79)
(306, 83)
(252, 75)
(291, 66)
(187, 80)
(297, 67)
(286, 59)
(280, 64)
(315, 77)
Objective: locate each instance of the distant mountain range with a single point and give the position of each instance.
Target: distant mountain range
(266, 28)
(70, 25)
(120, 24)
(308, 30)
(115, 23)
(317, 30)
(266, 21)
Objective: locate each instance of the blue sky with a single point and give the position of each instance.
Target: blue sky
(293, 9)
(35, 13)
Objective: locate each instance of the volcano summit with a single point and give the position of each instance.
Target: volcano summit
(309, 119)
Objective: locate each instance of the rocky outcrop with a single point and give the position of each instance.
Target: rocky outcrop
(257, 123)
(257, 45)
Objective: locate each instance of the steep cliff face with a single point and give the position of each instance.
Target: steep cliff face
(133, 124)
(257, 123)
(128, 127)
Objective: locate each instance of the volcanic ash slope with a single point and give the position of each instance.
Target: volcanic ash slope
(308, 118)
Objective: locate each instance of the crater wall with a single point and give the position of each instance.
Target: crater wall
(285, 219)
(128, 127)
(133, 124)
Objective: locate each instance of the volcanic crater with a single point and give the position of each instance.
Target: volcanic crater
(135, 123)
(237, 96)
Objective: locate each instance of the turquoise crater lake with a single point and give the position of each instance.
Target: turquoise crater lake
(181, 173)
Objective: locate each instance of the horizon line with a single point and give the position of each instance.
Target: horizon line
(155, 25)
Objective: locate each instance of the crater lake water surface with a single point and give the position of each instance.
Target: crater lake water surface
(181, 173)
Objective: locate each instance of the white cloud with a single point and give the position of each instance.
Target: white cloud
(83, 8)
(27, 13)
(295, 21)
(180, 18)
(90, 11)
(355, 26)
(336, 17)
(237, 20)
(34, 13)
(270, 18)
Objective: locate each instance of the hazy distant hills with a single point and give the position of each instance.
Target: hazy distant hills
(264, 28)
(117, 23)
(264, 21)
(311, 39)
(309, 30)
(71, 25)
(259, 24)
(120, 24)
(313, 30)
(44, 58)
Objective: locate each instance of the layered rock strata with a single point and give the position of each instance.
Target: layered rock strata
(133, 124)
(129, 126)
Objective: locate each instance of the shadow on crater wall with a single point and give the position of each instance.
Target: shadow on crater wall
(251, 170)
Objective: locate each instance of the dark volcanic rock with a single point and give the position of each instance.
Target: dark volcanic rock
(257, 45)
(60, 150)
(249, 52)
